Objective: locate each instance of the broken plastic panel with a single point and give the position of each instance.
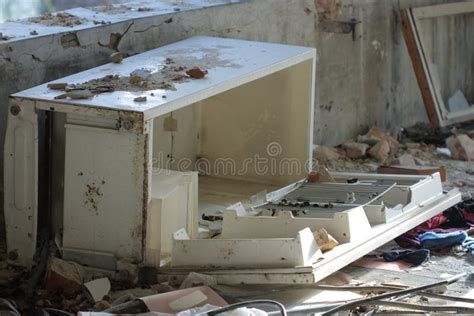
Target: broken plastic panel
(346, 208)
(383, 197)
(300, 250)
(404, 203)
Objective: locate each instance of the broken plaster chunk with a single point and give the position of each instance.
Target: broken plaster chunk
(461, 147)
(325, 241)
(405, 160)
(325, 153)
(57, 85)
(197, 279)
(321, 174)
(376, 134)
(98, 288)
(64, 276)
(196, 73)
(116, 57)
(355, 150)
(380, 151)
(420, 162)
(79, 94)
(140, 99)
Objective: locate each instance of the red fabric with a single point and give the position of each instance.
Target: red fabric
(433, 222)
(468, 215)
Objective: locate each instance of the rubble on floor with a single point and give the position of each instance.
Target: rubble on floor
(338, 292)
(420, 147)
(71, 287)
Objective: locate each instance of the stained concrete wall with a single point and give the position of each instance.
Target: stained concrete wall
(361, 82)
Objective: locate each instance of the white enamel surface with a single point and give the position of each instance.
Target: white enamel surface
(237, 62)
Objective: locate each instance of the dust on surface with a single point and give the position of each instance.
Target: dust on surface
(112, 9)
(119, 9)
(210, 57)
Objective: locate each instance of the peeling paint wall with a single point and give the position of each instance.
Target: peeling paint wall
(362, 81)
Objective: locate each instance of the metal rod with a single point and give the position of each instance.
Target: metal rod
(430, 308)
(364, 301)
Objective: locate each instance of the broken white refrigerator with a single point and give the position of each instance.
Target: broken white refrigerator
(194, 157)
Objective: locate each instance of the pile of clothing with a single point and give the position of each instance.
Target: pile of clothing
(453, 227)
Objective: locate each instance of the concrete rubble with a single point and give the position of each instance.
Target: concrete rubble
(355, 150)
(325, 153)
(461, 147)
(64, 276)
(380, 151)
(406, 160)
(411, 151)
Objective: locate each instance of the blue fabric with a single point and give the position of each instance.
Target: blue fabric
(416, 257)
(432, 240)
(468, 245)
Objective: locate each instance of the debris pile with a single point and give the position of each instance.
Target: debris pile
(71, 287)
(375, 144)
(139, 80)
(382, 145)
(421, 150)
(58, 19)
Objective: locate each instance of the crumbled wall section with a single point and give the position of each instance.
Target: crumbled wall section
(328, 9)
(70, 40)
(362, 82)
